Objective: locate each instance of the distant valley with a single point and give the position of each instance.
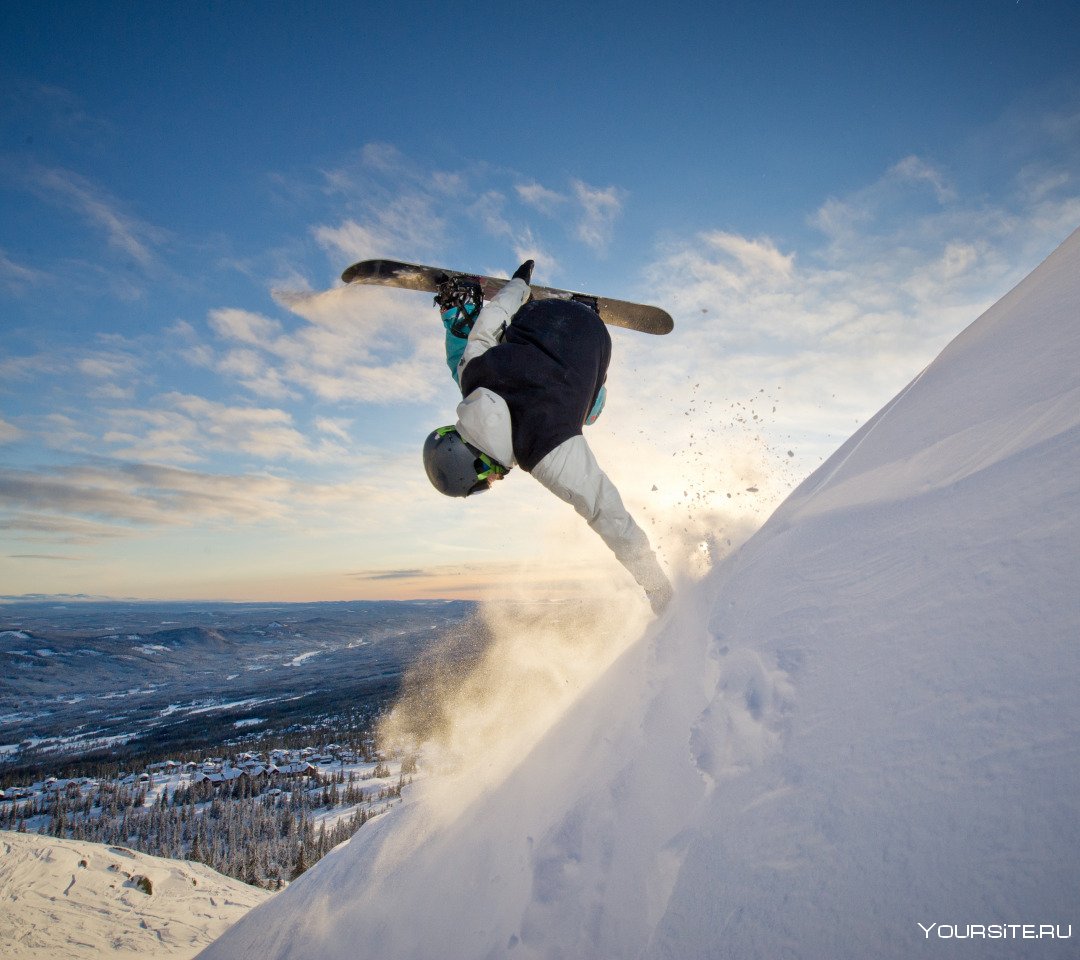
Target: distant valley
(101, 679)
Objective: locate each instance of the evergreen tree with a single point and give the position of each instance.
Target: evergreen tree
(301, 864)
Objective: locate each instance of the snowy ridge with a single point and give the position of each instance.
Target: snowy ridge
(859, 736)
(72, 899)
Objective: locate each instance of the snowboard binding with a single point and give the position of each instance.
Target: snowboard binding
(587, 300)
(463, 294)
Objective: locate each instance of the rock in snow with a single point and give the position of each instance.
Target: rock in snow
(69, 899)
(858, 737)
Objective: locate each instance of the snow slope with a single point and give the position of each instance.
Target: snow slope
(66, 898)
(859, 736)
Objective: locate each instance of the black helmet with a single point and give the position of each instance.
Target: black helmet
(455, 467)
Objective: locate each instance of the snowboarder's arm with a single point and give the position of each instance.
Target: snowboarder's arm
(455, 348)
(571, 472)
(493, 320)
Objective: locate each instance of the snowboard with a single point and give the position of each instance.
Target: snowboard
(412, 276)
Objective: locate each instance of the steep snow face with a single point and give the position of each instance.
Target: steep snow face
(859, 736)
(67, 898)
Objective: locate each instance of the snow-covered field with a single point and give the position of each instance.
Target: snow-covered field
(859, 736)
(65, 898)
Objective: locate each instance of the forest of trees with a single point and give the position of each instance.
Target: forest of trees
(251, 829)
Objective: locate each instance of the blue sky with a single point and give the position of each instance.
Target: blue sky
(191, 406)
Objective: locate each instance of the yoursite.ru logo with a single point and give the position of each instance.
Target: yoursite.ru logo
(996, 931)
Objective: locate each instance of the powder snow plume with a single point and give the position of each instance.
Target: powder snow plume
(477, 703)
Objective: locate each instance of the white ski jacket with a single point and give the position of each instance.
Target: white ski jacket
(570, 471)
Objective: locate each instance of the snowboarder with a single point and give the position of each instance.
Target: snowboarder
(532, 375)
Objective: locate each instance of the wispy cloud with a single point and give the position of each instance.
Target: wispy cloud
(81, 498)
(109, 365)
(541, 198)
(408, 224)
(184, 428)
(17, 277)
(63, 431)
(405, 211)
(384, 157)
(243, 326)
(488, 209)
(827, 331)
(914, 169)
(413, 574)
(124, 231)
(338, 427)
(101, 499)
(49, 557)
(105, 373)
(64, 113)
(356, 345)
(26, 367)
(601, 207)
(9, 433)
(33, 527)
(594, 209)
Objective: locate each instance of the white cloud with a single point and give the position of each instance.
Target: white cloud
(897, 199)
(134, 237)
(59, 431)
(914, 169)
(66, 498)
(186, 429)
(411, 214)
(1038, 183)
(108, 366)
(407, 226)
(263, 432)
(541, 198)
(55, 108)
(243, 326)
(9, 433)
(112, 392)
(383, 156)
(527, 247)
(399, 210)
(334, 427)
(488, 209)
(831, 331)
(450, 184)
(16, 277)
(43, 527)
(358, 345)
(156, 436)
(355, 241)
(29, 366)
(728, 260)
(601, 207)
(105, 499)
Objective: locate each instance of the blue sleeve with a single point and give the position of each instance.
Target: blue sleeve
(597, 407)
(455, 347)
